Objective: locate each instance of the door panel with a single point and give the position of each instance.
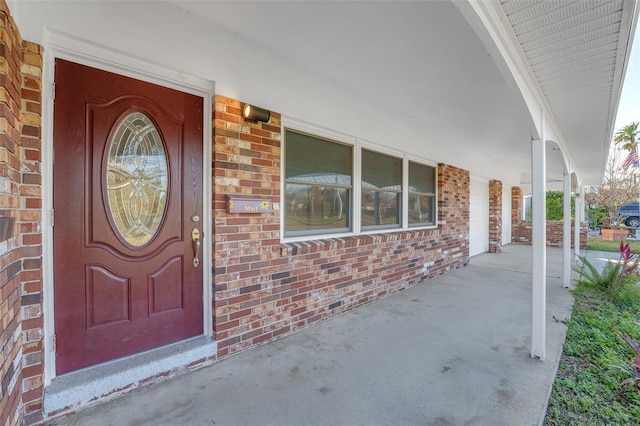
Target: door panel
(165, 287)
(107, 297)
(127, 194)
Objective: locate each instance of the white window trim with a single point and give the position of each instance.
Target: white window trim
(372, 146)
(288, 123)
(301, 126)
(430, 163)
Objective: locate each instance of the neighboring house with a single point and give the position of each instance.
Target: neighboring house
(141, 211)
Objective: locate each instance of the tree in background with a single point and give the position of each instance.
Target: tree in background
(628, 136)
(617, 189)
(555, 206)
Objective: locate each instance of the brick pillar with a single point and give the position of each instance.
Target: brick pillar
(30, 220)
(516, 212)
(584, 234)
(21, 337)
(495, 216)
(246, 163)
(453, 204)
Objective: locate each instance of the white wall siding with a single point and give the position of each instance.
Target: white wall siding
(478, 215)
(506, 214)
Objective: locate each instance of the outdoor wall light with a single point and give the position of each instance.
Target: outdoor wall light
(255, 114)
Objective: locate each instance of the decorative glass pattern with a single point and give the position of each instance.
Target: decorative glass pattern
(137, 177)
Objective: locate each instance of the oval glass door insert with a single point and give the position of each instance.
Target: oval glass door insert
(137, 179)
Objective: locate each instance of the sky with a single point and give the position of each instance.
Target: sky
(629, 106)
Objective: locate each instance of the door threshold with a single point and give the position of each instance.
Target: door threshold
(78, 389)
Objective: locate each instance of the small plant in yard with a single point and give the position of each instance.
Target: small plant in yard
(635, 366)
(618, 280)
(592, 383)
(589, 389)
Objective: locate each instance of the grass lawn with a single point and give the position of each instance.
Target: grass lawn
(588, 389)
(603, 245)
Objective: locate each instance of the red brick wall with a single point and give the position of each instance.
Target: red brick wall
(21, 358)
(521, 229)
(522, 234)
(495, 216)
(247, 246)
(264, 289)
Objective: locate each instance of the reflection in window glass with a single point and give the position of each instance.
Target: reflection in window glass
(381, 191)
(421, 209)
(317, 185)
(316, 208)
(380, 208)
(422, 197)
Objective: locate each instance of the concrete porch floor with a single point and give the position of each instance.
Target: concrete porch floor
(453, 350)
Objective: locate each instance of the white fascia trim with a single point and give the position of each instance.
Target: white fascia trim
(627, 32)
(64, 46)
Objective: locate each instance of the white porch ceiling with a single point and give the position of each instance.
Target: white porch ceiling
(576, 51)
(423, 77)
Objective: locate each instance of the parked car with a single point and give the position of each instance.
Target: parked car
(631, 213)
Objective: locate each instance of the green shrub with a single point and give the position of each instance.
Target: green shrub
(597, 216)
(619, 281)
(555, 205)
(590, 387)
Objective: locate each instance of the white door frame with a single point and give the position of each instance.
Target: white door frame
(60, 45)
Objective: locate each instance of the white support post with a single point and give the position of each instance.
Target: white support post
(579, 211)
(566, 232)
(539, 248)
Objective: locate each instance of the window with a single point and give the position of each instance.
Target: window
(333, 187)
(422, 194)
(318, 186)
(381, 191)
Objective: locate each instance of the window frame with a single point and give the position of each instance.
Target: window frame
(376, 229)
(434, 194)
(327, 136)
(357, 145)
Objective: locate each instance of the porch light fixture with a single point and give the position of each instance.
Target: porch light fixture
(255, 114)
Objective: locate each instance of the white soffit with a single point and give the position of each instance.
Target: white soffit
(577, 52)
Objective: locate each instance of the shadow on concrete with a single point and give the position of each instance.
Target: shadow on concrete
(454, 350)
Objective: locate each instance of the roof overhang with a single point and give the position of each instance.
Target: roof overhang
(569, 59)
(464, 83)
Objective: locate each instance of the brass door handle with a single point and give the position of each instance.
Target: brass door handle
(195, 237)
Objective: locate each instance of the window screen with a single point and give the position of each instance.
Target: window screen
(422, 194)
(318, 185)
(381, 191)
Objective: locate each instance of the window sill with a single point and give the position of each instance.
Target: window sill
(296, 248)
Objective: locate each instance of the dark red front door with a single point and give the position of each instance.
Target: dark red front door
(127, 207)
